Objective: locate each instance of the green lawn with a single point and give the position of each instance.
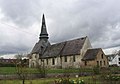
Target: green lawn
(37, 81)
(46, 81)
(7, 70)
(12, 70)
(86, 79)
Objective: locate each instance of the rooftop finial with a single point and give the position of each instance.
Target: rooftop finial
(43, 19)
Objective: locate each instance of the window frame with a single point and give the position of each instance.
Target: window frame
(53, 61)
(102, 56)
(74, 58)
(47, 61)
(65, 58)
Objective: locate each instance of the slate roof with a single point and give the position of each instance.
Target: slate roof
(91, 54)
(73, 47)
(67, 48)
(37, 47)
(54, 50)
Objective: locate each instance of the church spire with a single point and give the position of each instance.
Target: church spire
(43, 34)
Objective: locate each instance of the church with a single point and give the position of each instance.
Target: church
(74, 53)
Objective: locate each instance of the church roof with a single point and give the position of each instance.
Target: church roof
(73, 47)
(67, 48)
(36, 48)
(91, 54)
(54, 50)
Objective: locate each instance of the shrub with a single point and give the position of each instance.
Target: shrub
(114, 78)
(96, 70)
(69, 81)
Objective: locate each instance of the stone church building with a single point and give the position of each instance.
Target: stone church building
(69, 54)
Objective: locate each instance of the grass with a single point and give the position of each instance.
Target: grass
(7, 70)
(37, 81)
(44, 81)
(12, 70)
(87, 80)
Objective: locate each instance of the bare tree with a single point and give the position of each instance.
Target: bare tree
(21, 68)
(41, 68)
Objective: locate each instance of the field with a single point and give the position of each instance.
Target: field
(93, 79)
(12, 70)
(37, 81)
(86, 79)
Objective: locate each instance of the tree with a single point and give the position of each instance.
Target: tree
(21, 68)
(41, 68)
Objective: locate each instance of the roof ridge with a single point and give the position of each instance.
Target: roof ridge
(70, 40)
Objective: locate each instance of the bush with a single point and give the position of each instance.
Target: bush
(112, 78)
(69, 81)
(96, 70)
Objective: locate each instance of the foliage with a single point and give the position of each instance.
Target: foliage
(69, 81)
(112, 78)
(96, 70)
(41, 70)
(21, 70)
(87, 80)
(37, 81)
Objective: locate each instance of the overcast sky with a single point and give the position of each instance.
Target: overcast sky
(20, 22)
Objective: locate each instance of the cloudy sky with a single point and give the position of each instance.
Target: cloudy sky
(20, 22)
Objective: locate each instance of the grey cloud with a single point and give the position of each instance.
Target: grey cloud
(22, 12)
(67, 19)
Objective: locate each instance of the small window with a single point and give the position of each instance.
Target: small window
(100, 63)
(42, 60)
(74, 58)
(119, 59)
(53, 61)
(119, 62)
(102, 56)
(35, 56)
(97, 63)
(65, 58)
(47, 61)
(85, 63)
(104, 62)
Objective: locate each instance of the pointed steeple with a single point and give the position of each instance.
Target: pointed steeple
(43, 34)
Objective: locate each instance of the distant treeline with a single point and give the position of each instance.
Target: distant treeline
(7, 65)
